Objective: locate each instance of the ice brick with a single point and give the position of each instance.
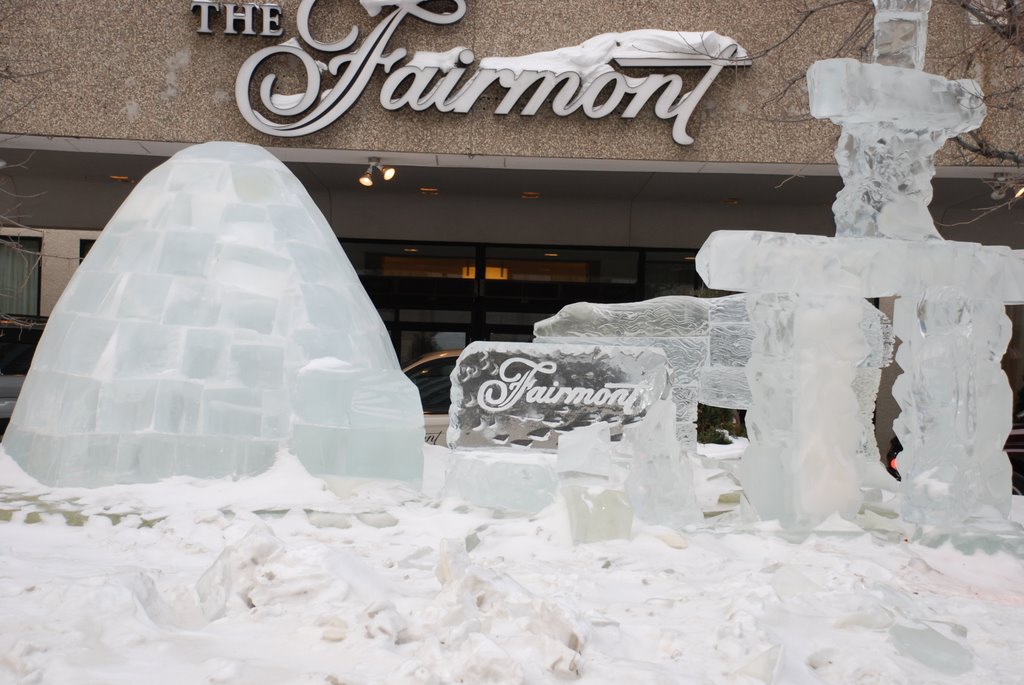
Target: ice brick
(521, 482)
(597, 513)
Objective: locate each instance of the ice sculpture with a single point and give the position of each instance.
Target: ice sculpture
(215, 321)
(597, 408)
(955, 399)
(708, 344)
(528, 395)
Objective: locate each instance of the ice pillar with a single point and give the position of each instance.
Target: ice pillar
(802, 463)
(955, 399)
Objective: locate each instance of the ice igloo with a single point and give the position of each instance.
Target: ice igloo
(215, 321)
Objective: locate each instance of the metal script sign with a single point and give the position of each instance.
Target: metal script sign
(571, 79)
(527, 395)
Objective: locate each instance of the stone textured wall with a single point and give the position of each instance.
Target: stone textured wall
(139, 70)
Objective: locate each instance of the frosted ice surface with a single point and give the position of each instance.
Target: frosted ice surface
(215, 321)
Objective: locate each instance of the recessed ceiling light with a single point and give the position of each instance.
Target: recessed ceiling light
(550, 254)
(430, 191)
(410, 249)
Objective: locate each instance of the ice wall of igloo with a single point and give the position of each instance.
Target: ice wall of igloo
(215, 321)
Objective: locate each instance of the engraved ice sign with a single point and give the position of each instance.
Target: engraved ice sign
(527, 395)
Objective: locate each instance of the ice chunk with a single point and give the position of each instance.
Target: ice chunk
(586, 451)
(517, 481)
(597, 513)
(901, 32)
(929, 647)
(528, 395)
(178, 346)
(660, 483)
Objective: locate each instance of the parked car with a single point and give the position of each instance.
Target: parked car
(432, 375)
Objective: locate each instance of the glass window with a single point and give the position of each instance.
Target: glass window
(670, 273)
(561, 265)
(434, 382)
(434, 316)
(412, 260)
(84, 246)
(19, 276)
(512, 337)
(515, 318)
(415, 344)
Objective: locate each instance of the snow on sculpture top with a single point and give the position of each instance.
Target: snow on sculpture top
(593, 57)
(215, 321)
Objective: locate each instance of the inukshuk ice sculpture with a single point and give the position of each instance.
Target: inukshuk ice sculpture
(215, 321)
(955, 399)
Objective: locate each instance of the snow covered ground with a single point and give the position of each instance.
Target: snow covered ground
(279, 580)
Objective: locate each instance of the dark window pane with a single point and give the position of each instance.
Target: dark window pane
(670, 273)
(19, 276)
(412, 261)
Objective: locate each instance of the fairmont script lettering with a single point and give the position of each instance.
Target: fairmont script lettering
(512, 386)
(574, 79)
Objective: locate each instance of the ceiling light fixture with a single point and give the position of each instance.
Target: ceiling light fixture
(429, 191)
(531, 195)
(1019, 194)
(386, 172)
(367, 178)
(550, 254)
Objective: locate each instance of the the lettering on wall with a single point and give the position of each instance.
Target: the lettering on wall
(245, 18)
(568, 80)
